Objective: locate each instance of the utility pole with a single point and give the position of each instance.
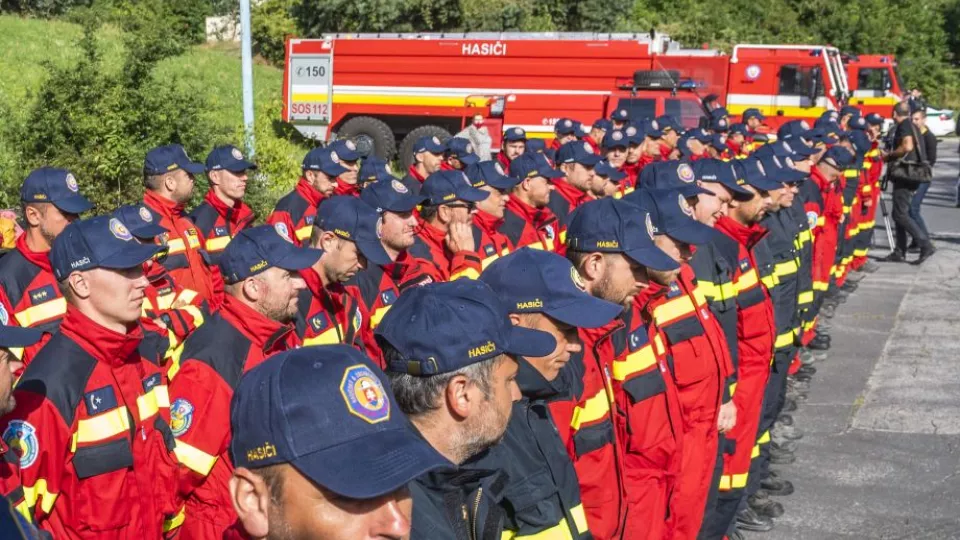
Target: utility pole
(247, 74)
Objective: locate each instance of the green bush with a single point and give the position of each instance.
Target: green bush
(41, 8)
(272, 22)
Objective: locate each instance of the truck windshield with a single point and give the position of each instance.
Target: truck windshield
(873, 79)
(687, 111)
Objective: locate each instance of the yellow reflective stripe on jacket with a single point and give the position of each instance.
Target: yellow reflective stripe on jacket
(784, 340)
(806, 297)
(176, 521)
(38, 491)
(673, 309)
(303, 233)
(593, 409)
(151, 402)
(733, 388)
(469, 273)
(770, 281)
(786, 268)
(747, 281)
(195, 313)
(103, 426)
(175, 245)
(560, 531)
(378, 315)
(330, 337)
(217, 243)
(733, 481)
(635, 362)
(194, 459)
(41, 312)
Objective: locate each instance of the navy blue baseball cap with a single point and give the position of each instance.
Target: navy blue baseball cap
(818, 135)
(752, 113)
(668, 122)
(699, 134)
(353, 219)
(577, 152)
(719, 112)
(678, 175)
(15, 336)
(720, 125)
(857, 123)
(529, 165)
(635, 135)
(606, 170)
(55, 186)
(461, 149)
(443, 327)
(720, 172)
(328, 411)
(228, 158)
(614, 139)
(614, 226)
(620, 115)
(738, 127)
(430, 144)
(536, 281)
(490, 173)
(651, 128)
(860, 140)
(839, 158)
(391, 195)
(718, 142)
(373, 169)
(565, 126)
(755, 174)
(324, 160)
(874, 119)
(795, 148)
(514, 134)
(781, 170)
(673, 216)
(535, 146)
(164, 159)
(849, 110)
(791, 129)
(142, 222)
(603, 123)
(97, 242)
(346, 150)
(258, 248)
(830, 115)
(443, 187)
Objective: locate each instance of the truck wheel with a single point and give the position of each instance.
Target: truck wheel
(406, 146)
(372, 136)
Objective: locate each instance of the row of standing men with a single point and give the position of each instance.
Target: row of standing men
(649, 365)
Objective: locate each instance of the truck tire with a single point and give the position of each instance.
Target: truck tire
(406, 146)
(371, 136)
(656, 78)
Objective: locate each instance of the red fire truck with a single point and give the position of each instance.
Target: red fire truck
(383, 90)
(875, 83)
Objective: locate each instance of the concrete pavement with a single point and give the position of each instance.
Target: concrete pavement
(881, 455)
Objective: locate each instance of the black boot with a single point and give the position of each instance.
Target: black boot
(895, 256)
(819, 343)
(749, 520)
(925, 254)
(765, 507)
(776, 486)
(849, 286)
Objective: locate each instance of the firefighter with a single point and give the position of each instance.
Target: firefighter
(371, 170)
(606, 181)
(450, 353)
(542, 291)
(168, 179)
(693, 144)
(870, 193)
(754, 120)
(491, 244)
(15, 517)
(620, 118)
(50, 200)
(337, 393)
(598, 130)
(458, 155)
(576, 161)
(445, 235)
(565, 130)
(180, 311)
(719, 125)
(348, 182)
(514, 144)
(828, 174)
(671, 130)
(614, 148)
(527, 220)
(256, 320)
(223, 214)
(736, 140)
(847, 114)
(610, 242)
(347, 231)
(296, 211)
(755, 342)
(91, 423)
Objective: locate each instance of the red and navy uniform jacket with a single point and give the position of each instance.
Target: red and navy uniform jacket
(491, 243)
(181, 310)
(632, 170)
(186, 260)
(525, 225)
(755, 339)
(714, 278)
(209, 367)
(295, 212)
(666, 153)
(586, 426)
(92, 430)
(430, 245)
(29, 295)
(330, 314)
(413, 180)
(649, 427)
(564, 199)
(219, 223)
(827, 232)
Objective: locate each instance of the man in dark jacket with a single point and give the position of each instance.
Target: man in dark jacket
(543, 291)
(449, 350)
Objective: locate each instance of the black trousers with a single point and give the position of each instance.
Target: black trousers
(902, 197)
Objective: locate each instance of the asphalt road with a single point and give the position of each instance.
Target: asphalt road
(880, 458)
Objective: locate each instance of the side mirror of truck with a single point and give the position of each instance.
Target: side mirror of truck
(814, 90)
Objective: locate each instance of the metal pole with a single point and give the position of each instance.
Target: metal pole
(247, 74)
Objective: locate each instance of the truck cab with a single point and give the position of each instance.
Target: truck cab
(875, 82)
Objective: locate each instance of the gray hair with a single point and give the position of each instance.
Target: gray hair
(417, 395)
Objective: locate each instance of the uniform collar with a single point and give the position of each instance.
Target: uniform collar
(527, 212)
(105, 345)
(263, 332)
(343, 188)
(487, 223)
(162, 205)
(746, 236)
(311, 194)
(431, 235)
(532, 383)
(573, 195)
(415, 173)
(235, 214)
(42, 260)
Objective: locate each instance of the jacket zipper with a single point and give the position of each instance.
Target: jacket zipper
(476, 510)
